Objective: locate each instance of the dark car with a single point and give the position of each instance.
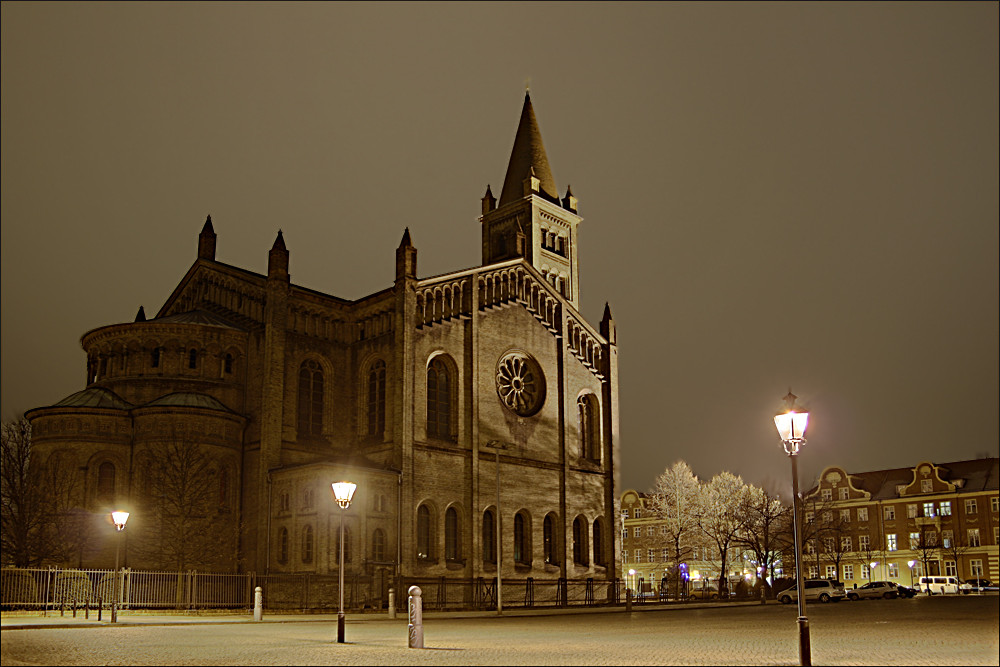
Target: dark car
(979, 585)
(905, 591)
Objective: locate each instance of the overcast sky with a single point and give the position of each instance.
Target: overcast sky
(775, 196)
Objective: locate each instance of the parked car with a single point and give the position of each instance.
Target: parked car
(980, 585)
(874, 589)
(905, 591)
(823, 590)
(935, 585)
(706, 593)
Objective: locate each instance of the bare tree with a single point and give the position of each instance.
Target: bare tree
(35, 501)
(956, 547)
(182, 525)
(718, 518)
(675, 500)
(762, 518)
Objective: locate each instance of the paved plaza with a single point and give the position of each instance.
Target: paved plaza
(923, 631)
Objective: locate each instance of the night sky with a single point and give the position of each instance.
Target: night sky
(794, 195)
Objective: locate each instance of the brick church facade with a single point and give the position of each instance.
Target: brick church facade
(264, 392)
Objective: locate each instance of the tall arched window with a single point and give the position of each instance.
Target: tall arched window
(580, 541)
(155, 360)
(489, 537)
(376, 398)
(438, 400)
(549, 540)
(452, 535)
(599, 542)
(378, 545)
(106, 482)
(283, 546)
(310, 398)
(424, 533)
(589, 425)
(193, 358)
(227, 364)
(522, 550)
(307, 545)
(347, 545)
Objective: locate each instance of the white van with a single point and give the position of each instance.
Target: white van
(940, 585)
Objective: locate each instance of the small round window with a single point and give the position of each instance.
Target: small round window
(520, 383)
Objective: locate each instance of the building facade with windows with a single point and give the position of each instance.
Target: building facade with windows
(648, 555)
(897, 525)
(477, 411)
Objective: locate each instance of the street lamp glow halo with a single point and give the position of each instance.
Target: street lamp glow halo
(120, 518)
(343, 492)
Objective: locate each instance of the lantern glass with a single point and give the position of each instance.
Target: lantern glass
(119, 518)
(792, 425)
(343, 492)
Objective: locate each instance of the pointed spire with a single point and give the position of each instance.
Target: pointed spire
(141, 315)
(489, 201)
(608, 328)
(569, 201)
(528, 153)
(406, 258)
(277, 259)
(206, 241)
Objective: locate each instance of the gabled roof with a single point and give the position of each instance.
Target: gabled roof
(528, 154)
(973, 475)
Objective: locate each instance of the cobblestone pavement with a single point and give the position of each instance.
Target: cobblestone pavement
(922, 631)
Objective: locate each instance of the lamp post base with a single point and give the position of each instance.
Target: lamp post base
(805, 651)
(340, 628)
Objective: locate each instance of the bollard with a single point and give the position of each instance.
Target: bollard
(628, 600)
(100, 607)
(392, 603)
(74, 607)
(86, 610)
(258, 603)
(416, 627)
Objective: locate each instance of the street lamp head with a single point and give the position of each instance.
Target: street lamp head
(119, 518)
(911, 563)
(343, 492)
(792, 424)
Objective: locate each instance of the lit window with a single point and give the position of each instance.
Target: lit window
(995, 504)
(970, 506)
(863, 571)
(845, 544)
(914, 540)
(810, 517)
(946, 538)
(813, 572)
(862, 514)
(890, 513)
(845, 516)
(911, 511)
(831, 571)
(827, 494)
(974, 537)
(929, 509)
(945, 507)
(863, 542)
(844, 493)
(931, 538)
(893, 570)
(890, 542)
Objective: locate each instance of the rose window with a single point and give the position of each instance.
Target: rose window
(520, 384)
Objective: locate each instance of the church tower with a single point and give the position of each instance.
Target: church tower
(530, 220)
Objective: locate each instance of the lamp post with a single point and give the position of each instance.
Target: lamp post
(873, 564)
(911, 563)
(342, 493)
(791, 427)
(119, 518)
(496, 446)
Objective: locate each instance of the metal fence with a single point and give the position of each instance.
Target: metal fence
(53, 588)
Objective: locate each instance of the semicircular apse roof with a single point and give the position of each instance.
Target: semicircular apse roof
(94, 397)
(187, 399)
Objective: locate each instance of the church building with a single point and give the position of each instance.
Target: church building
(476, 411)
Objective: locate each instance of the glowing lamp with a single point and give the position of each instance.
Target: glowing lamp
(119, 519)
(343, 492)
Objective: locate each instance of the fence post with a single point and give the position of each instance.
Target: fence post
(416, 627)
(258, 603)
(392, 603)
(628, 600)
